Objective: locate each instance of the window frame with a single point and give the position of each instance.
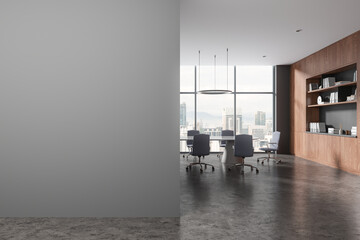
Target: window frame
(235, 94)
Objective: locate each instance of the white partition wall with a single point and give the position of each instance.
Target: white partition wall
(89, 108)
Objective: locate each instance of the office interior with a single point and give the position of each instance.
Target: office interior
(179, 119)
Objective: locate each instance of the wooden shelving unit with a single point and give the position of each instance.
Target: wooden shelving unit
(317, 112)
(330, 104)
(338, 151)
(333, 87)
(332, 135)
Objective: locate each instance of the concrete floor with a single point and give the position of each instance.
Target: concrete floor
(297, 199)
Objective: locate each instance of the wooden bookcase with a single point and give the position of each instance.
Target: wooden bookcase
(314, 111)
(332, 150)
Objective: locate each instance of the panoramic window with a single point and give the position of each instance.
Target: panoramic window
(249, 110)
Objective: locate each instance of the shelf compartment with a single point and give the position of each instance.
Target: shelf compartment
(333, 87)
(330, 104)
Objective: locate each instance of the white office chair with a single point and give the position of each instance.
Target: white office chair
(272, 146)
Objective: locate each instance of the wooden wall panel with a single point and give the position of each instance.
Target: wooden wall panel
(329, 150)
(339, 152)
(300, 144)
(357, 163)
(299, 101)
(312, 146)
(292, 115)
(322, 144)
(349, 160)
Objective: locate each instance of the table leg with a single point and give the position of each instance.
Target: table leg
(228, 154)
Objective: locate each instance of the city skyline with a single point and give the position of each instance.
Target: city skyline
(261, 129)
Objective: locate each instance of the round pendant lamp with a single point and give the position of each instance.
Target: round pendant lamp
(216, 91)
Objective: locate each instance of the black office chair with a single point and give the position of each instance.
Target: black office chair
(223, 143)
(201, 148)
(244, 148)
(189, 143)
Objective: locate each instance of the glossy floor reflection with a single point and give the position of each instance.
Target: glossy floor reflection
(296, 199)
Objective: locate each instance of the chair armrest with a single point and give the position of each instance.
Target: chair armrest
(269, 143)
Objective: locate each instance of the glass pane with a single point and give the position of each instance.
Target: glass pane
(215, 113)
(254, 78)
(187, 79)
(187, 117)
(224, 79)
(256, 111)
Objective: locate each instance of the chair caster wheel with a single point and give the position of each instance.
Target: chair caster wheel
(187, 169)
(257, 171)
(201, 171)
(183, 156)
(258, 160)
(213, 169)
(262, 163)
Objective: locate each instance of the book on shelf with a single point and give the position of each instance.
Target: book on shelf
(328, 82)
(313, 86)
(317, 127)
(334, 97)
(355, 76)
(322, 127)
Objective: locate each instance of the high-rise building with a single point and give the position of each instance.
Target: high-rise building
(212, 131)
(228, 119)
(183, 114)
(269, 126)
(260, 118)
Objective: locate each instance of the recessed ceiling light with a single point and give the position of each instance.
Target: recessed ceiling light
(299, 30)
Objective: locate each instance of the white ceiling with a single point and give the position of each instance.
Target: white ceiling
(253, 28)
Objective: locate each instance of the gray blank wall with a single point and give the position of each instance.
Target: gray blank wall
(89, 104)
(282, 81)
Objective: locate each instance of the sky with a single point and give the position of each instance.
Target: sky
(249, 79)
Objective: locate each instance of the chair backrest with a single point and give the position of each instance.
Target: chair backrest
(275, 140)
(226, 133)
(244, 146)
(201, 145)
(191, 133)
